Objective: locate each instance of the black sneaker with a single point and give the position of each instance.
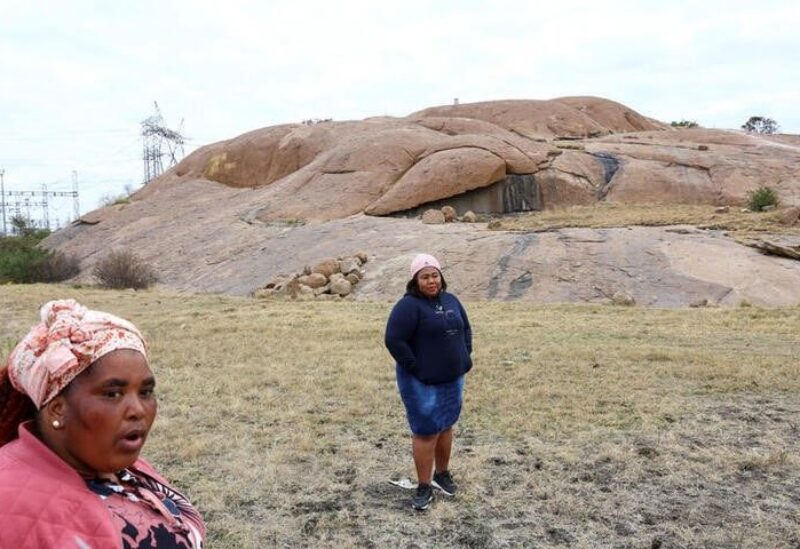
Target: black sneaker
(423, 498)
(444, 482)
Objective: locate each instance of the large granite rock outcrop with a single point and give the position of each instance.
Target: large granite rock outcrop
(235, 213)
(491, 157)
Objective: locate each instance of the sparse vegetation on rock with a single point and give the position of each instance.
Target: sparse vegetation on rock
(315, 121)
(762, 199)
(116, 200)
(684, 124)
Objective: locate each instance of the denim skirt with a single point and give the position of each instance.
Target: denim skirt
(430, 409)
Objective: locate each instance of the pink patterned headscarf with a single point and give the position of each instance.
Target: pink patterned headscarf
(68, 340)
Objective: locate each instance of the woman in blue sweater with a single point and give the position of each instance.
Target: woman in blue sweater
(429, 336)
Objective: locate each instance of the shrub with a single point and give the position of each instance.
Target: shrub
(684, 124)
(23, 261)
(761, 197)
(58, 266)
(124, 269)
(20, 260)
(315, 121)
(114, 200)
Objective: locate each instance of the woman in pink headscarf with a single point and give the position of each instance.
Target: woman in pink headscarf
(76, 405)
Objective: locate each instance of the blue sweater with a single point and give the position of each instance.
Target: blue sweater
(430, 338)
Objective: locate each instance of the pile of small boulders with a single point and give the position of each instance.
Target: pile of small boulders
(447, 215)
(331, 278)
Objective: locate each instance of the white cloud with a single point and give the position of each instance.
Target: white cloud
(79, 76)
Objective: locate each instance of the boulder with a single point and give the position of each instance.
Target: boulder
(326, 267)
(722, 209)
(349, 264)
(652, 181)
(313, 280)
(341, 287)
(433, 217)
(785, 246)
(469, 217)
(789, 216)
(322, 290)
(353, 278)
(623, 298)
(440, 175)
(290, 289)
(362, 257)
(305, 291)
(449, 214)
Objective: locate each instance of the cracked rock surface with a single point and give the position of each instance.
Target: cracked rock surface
(223, 250)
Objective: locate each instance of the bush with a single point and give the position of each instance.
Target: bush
(58, 266)
(20, 259)
(114, 200)
(684, 124)
(124, 269)
(761, 197)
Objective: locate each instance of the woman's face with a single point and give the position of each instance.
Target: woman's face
(107, 413)
(429, 281)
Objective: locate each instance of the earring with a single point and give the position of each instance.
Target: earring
(56, 424)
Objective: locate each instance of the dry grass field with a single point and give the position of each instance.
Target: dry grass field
(583, 426)
(741, 225)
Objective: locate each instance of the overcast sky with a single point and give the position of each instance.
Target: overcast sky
(79, 76)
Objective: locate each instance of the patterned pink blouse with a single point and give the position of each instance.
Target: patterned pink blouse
(149, 514)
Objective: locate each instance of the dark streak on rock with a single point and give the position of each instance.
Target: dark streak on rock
(521, 244)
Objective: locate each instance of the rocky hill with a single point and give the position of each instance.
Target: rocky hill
(236, 214)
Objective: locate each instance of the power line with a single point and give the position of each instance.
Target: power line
(28, 199)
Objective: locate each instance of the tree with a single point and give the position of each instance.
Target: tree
(22, 226)
(760, 124)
